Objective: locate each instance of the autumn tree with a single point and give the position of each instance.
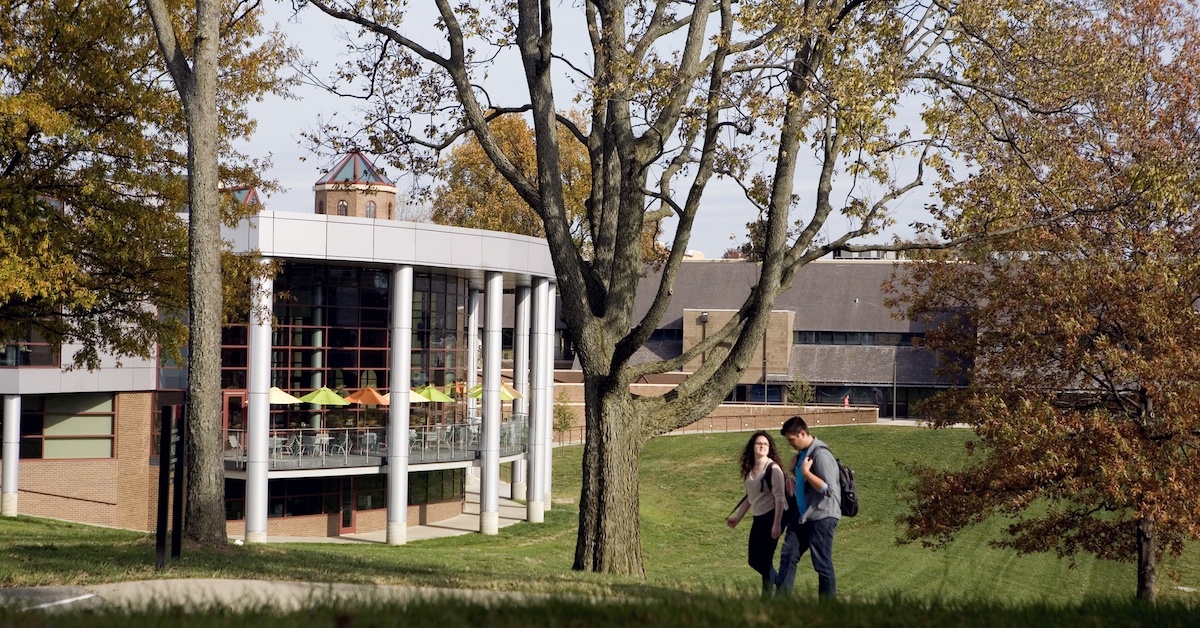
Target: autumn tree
(472, 192)
(677, 93)
(88, 189)
(210, 53)
(1080, 342)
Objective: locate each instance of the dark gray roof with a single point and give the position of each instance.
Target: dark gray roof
(825, 295)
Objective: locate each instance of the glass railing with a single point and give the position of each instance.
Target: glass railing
(307, 448)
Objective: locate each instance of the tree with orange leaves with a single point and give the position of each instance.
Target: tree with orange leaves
(1079, 342)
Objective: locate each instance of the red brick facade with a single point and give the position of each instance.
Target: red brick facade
(118, 492)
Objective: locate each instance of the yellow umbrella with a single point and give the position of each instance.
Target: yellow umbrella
(369, 397)
(433, 394)
(280, 397)
(506, 393)
(325, 397)
(413, 397)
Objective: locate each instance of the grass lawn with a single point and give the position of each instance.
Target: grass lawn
(688, 486)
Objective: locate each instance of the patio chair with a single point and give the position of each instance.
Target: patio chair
(340, 444)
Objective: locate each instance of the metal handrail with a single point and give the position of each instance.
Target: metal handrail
(427, 443)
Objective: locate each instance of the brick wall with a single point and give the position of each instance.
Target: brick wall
(118, 492)
(356, 197)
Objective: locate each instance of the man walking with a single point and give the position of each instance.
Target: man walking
(818, 510)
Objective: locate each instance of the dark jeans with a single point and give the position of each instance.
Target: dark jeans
(815, 537)
(761, 551)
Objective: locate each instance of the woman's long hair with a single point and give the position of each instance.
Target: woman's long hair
(748, 453)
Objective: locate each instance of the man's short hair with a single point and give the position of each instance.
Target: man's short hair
(794, 426)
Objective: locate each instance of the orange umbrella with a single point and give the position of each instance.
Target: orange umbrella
(368, 397)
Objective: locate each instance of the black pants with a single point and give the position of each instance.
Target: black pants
(762, 550)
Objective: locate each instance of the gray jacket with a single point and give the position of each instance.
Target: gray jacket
(827, 503)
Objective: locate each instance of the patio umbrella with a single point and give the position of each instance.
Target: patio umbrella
(369, 397)
(433, 394)
(506, 393)
(280, 397)
(413, 397)
(325, 397)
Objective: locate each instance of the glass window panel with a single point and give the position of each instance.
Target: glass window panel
(59, 448)
(377, 319)
(234, 335)
(233, 357)
(79, 403)
(31, 448)
(340, 337)
(343, 358)
(31, 424)
(346, 296)
(372, 359)
(374, 338)
(85, 425)
(231, 379)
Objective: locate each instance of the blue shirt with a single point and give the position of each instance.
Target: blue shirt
(801, 503)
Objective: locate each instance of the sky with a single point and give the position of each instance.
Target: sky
(281, 123)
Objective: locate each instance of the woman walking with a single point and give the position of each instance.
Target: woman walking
(764, 480)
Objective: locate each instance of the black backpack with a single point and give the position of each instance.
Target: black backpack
(849, 489)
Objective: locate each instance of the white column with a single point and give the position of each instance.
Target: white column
(535, 507)
(258, 407)
(548, 427)
(489, 481)
(520, 380)
(400, 376)
(12, 454)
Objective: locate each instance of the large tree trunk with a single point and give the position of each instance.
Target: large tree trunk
(609, 533)
(204, 521)
(1147, 547)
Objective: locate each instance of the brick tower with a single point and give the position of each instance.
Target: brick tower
(355, 187)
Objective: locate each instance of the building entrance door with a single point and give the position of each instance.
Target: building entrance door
(347, 507)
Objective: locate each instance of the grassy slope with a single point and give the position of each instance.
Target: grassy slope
(689, 484)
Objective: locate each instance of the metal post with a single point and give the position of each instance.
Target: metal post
(166, 422)
(178, 464)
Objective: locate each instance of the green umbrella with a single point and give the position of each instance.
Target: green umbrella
(433, 394)
(325, 397)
